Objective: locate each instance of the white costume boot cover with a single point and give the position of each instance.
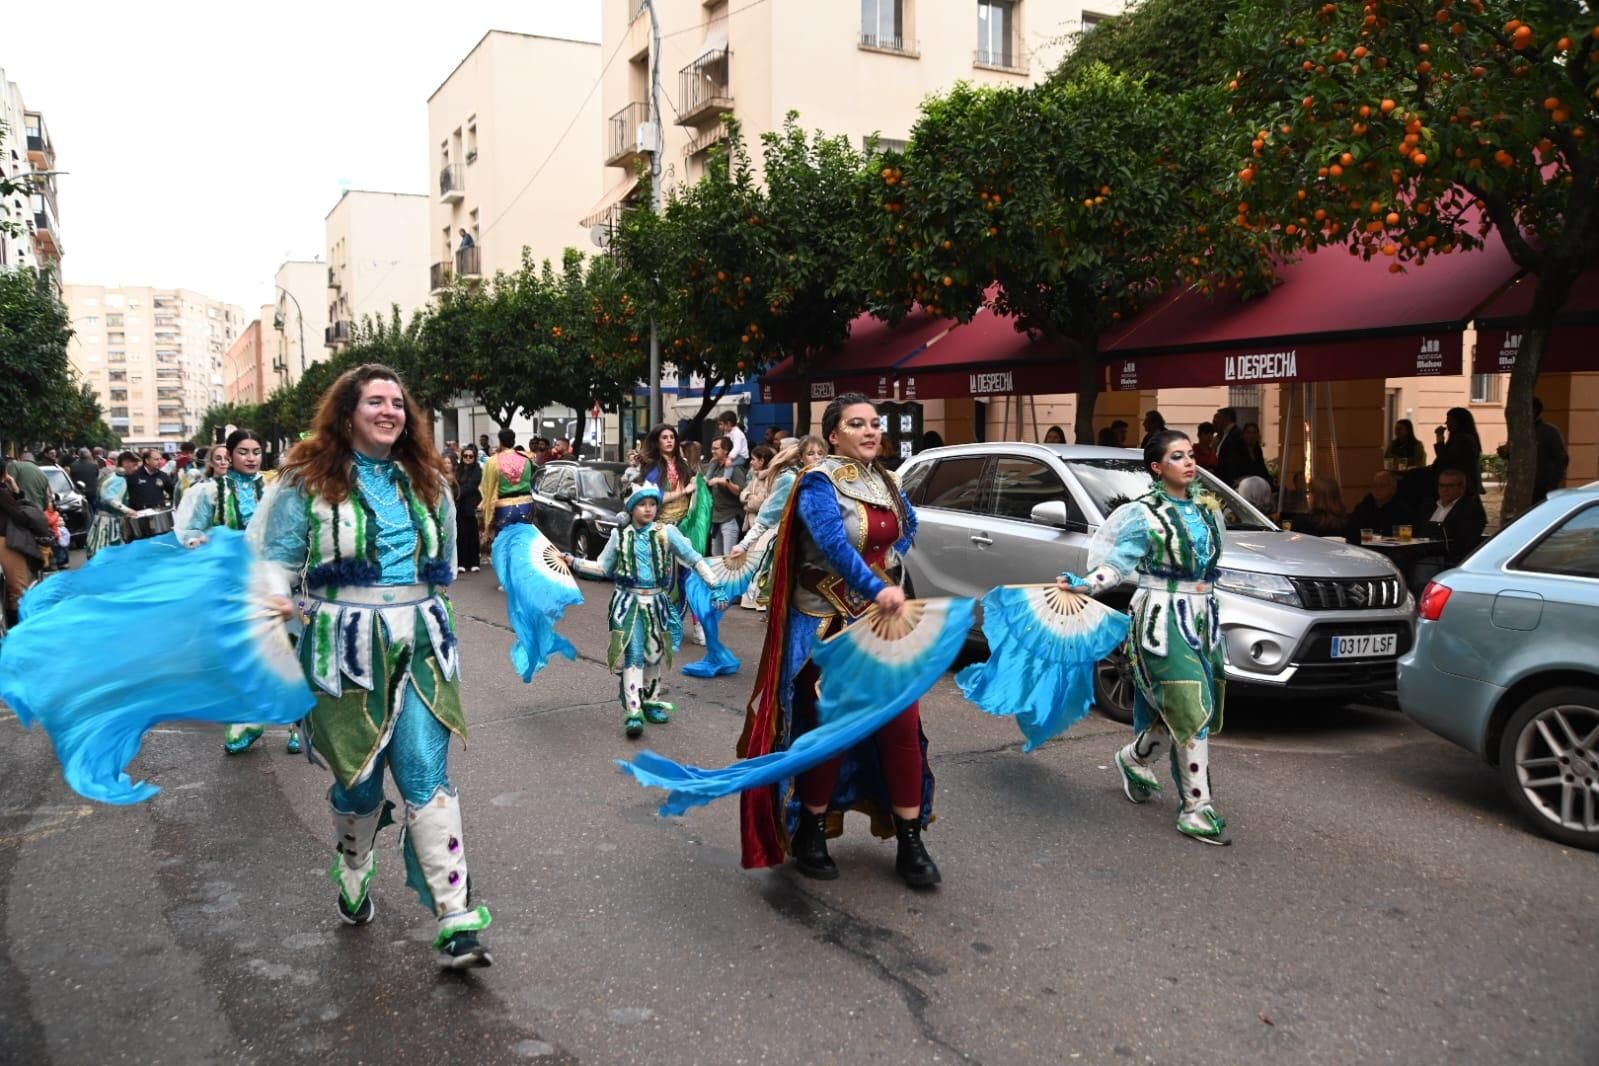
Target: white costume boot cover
(354, 836)
(632, 697)
(436, 865)
(1198, 818)
(1139, 762)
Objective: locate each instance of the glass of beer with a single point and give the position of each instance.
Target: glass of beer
(1368, 536)
(1404, 533)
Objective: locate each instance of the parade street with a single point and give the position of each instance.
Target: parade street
(1381, 902)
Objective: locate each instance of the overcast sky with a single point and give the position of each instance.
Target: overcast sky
(206, 141)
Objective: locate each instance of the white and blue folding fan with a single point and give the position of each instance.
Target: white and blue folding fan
(1043, 643)
(871, 672)
(733, 577)
(226, 655)
(539, 587)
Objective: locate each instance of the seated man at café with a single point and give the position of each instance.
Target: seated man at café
(1381, 511)
(1456, 518)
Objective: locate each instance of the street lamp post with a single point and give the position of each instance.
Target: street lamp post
(284, 366)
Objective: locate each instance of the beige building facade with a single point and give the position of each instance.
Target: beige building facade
(299, 320)
(377, 252)
(28, 160)
(851, 69)
(513, 167)
(153, 356)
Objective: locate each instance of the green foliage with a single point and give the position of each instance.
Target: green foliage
(1176, 44)
(1067, 206)
(1405, 129)
(40, 396)
(220, 416)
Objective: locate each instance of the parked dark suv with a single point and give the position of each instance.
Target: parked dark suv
(576, 504)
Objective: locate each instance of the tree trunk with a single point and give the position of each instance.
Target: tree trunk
(1554, 288)
(1088, 381)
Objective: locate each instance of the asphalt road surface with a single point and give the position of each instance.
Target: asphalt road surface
(1381, 903)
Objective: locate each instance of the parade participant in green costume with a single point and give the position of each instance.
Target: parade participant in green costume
(227, 498)
(646, 624)
(1171, 539)
(361, 524)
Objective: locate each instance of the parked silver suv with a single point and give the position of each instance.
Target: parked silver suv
(1301, 615)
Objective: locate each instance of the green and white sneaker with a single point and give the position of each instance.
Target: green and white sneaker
(633, 726)
(238, 738)
(1204, 824)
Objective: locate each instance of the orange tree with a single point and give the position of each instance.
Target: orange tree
(705, 268)
(1068, 206)
(1411, 128)
(810, 234)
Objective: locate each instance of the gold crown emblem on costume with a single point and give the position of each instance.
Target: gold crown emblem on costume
(850, 473)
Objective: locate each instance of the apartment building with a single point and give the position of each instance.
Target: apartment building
(855, 69)
(514, 143)
(28, 161)
(244, 366)
(299, 320)
(377, 250)
(154, 356)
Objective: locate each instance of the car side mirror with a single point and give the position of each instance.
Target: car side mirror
(1054, 513)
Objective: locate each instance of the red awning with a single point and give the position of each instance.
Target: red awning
(864, 364)
(984, 357)
(1573, 344)
(1333, 317)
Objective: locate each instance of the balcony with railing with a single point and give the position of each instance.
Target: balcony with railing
(439, 277)
(897, 44)
(469, 262)
(333, 278)
(452, 184)
(704, 88)
(41, 152)
(1005, 59)
(336, 333)
(622, 135)
(46, 232)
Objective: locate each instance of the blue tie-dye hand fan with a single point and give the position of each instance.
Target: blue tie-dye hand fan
(1043, 644)
(871, 672)
(539, 587)
(225, 655)
(734, 577)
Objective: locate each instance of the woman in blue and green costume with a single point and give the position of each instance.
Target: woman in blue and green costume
(227, 498)
(646, 624)
(361, 527)
(1170, 539)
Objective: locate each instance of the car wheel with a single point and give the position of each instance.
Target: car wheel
(1113, 687)
(1549, 764)
(583, 544)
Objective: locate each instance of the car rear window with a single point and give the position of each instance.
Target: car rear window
(955, 485)
(1570, 550)
(599, 483)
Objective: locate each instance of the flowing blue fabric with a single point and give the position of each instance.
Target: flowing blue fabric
(862, 691)
(226, 656)
(537, 594)
(1040, 668)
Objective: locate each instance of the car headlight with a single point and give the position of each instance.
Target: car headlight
(1273, 587)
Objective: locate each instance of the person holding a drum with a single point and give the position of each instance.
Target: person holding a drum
(228, 499)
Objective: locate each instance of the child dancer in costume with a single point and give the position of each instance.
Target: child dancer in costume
(362, 509)
(837, 551)
(1171, 538)
(227, 500)
(646, 625)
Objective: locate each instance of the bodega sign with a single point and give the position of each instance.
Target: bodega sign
(1349, 359)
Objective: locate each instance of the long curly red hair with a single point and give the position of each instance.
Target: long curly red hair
(325, 461)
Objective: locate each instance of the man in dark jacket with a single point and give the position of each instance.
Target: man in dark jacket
(1381, 511)
(149, 487)
(1456, 517)
(1231, 455)
(86, 472)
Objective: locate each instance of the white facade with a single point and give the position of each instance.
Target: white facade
(377, 248)
(27, 158)
(299, 322)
